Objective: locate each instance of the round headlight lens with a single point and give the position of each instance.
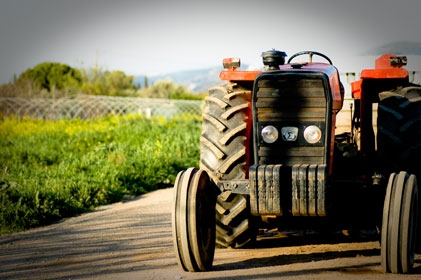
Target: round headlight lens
(270, 134)
(312, 134)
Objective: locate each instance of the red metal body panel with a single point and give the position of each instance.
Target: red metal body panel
(387, 66)
(392, 73)
(382, 70)
(233, 74)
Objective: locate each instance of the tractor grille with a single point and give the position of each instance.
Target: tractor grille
(290, 100)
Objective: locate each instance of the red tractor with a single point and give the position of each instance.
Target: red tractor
(270, 159)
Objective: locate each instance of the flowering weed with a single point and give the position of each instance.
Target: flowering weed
(55, 169)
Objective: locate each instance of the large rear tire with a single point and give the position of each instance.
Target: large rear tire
(224, 155)
(399, 225)
(399, 129)
(234, 226)
(225, 132)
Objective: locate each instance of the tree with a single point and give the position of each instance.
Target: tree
(118, 82)
(164, 89)
(112, 83)
(167, 89)
(53, 75)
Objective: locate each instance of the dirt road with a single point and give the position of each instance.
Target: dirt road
(132, 240)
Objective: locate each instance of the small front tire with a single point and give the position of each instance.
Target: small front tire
(399, 225)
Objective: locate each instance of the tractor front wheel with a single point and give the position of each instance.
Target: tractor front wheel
(193, 220)
(399, 225)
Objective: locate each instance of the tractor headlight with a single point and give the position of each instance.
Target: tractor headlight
(270, 134)
(312, 134)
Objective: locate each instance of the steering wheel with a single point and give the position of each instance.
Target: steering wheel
(310, 53)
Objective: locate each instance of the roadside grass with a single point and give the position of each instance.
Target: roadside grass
(56, 169)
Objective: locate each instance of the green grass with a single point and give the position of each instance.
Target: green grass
(56, 169)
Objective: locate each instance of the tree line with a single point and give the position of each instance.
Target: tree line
(54, 80)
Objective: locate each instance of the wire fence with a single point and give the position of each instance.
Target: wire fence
(87, 106)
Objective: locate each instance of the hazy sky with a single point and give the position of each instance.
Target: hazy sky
(145, 37)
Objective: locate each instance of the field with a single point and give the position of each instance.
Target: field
(56, 169)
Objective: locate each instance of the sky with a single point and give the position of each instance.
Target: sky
(164, 36)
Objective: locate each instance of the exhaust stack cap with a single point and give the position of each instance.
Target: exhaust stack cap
(273, 58)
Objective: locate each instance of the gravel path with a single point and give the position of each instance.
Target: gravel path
(132, 240)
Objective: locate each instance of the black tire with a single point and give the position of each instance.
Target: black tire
(192, 223)
(399, 225)
(399, 129)
(179, 222)
(234, 226)
(224, 155)
(385, 225)
(409, 224)
(224, 140)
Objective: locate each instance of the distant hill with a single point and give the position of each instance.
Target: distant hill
(198, 80)
(398, 48)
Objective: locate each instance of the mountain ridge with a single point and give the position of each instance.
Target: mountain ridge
(196, 80)
(398, 48)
